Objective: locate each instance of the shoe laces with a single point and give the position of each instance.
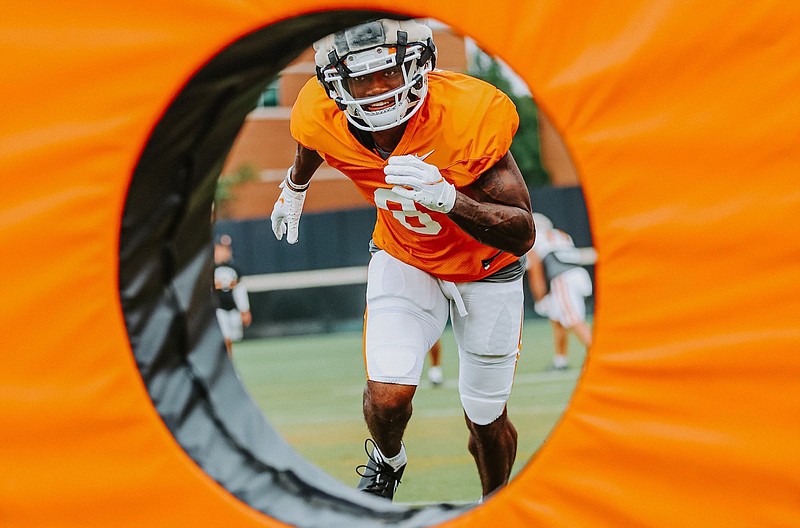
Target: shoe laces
(382, 474)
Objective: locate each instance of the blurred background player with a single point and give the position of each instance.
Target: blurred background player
(233, 303)
(430, 149)
(559, 285)
(435, 374)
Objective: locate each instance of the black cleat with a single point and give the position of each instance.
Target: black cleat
(377, 477)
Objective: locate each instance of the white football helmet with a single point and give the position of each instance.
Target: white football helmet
(373, 47)
(225, 278)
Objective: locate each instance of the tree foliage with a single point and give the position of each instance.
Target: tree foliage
(224, 195)
(525, 147)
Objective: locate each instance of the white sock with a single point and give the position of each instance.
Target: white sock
(559, 360)
(397, 461)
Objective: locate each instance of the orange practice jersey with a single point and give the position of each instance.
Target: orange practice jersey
(465, 124)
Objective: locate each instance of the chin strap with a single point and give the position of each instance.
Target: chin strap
(428, 54)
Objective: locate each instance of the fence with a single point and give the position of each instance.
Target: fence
(319, 284)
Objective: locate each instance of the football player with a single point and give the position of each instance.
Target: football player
(559, 285)
(233, 302)
(430, 150)
(435, 373)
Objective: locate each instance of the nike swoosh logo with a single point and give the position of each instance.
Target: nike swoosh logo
(425, 155)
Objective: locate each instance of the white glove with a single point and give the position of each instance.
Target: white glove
(286, 213)
(422, 182)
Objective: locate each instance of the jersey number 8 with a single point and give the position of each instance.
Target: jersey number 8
(405, 211)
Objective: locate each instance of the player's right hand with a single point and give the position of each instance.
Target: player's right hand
(419, 181)
(285, 215)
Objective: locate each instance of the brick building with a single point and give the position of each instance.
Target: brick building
(265, 144)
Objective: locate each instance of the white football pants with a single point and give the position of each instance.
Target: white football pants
(407, 310)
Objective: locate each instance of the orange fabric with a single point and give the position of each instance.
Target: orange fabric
(80, 441)
(364, 344)
(683, 120)
(467, 126)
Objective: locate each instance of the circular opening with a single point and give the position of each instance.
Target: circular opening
(165, 273)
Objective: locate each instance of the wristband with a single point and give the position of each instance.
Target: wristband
(293, 186)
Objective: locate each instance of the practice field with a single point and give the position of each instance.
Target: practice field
(310, 390)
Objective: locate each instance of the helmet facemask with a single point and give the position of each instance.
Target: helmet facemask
(366, 50)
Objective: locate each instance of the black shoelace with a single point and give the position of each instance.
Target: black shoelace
(382, 475)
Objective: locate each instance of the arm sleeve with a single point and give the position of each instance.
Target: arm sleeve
(241, 298)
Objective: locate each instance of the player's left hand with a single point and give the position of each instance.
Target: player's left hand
(422, 182)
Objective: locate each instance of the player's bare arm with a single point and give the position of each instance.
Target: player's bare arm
(496, 209)
(306, 163)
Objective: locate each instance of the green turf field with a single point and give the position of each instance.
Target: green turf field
(310, 390)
